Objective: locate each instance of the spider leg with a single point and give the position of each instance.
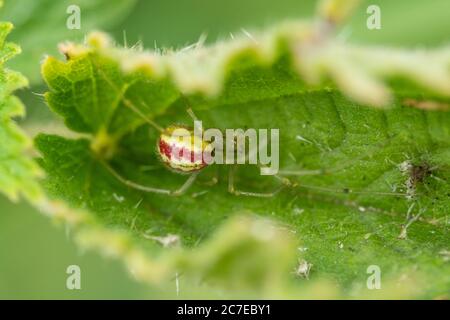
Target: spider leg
(340, 167)
(232, 189)
(187, 184)
(191, 114)
(285, 182)
(288, 183)
(178, 192)
(129, 104)
(211, 181)
(302, 172)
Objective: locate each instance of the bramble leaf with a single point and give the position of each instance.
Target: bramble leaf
(380, 192)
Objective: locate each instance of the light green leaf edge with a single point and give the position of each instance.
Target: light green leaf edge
(40, 25)
(18, 172)
(362, 73)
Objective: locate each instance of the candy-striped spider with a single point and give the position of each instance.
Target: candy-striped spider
(179, 150)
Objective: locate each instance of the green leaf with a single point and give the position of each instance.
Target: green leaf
(42, 26)
(18, 172)
(375, 164)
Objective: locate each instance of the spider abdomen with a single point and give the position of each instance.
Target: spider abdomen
(181, 150)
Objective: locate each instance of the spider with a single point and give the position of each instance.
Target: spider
(177, 150)
(181, 154)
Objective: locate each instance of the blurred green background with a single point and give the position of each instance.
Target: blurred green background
(34, 254)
